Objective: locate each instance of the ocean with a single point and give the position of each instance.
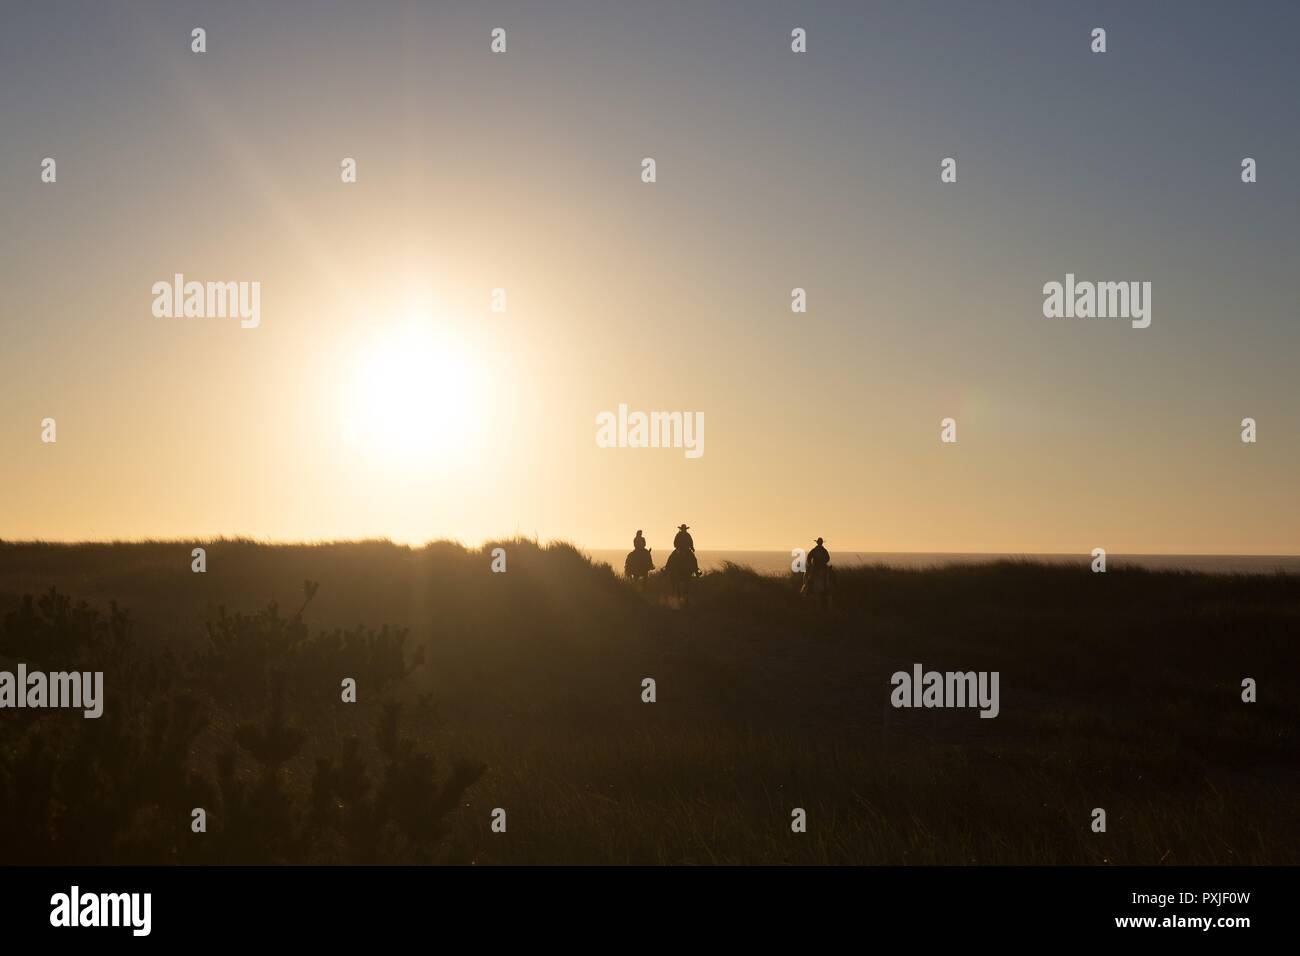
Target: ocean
(778, 562)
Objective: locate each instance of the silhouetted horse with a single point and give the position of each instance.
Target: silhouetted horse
(638, 564)
(682, 566)
(819, 585)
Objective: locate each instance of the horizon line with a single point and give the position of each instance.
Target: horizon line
(321, 542)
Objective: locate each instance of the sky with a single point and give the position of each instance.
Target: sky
(381, 396)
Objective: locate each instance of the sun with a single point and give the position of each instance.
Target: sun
(415, 398)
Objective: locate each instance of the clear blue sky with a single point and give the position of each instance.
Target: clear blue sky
(776, 170)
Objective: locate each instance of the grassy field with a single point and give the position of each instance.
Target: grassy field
(522, 691)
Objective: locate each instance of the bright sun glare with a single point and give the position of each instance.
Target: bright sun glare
(415, 399)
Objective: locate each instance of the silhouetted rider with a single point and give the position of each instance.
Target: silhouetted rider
(638, 543)
(818, 557)
(684, 541)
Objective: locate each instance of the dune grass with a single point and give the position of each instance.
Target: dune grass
(522, 691)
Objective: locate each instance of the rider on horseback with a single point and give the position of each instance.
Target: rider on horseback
(682, 564)
(682, 560)
(819, 582)
(638, 563)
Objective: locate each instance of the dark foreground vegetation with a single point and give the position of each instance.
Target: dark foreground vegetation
(523, 691)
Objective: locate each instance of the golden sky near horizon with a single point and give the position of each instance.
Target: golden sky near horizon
(380, 394)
